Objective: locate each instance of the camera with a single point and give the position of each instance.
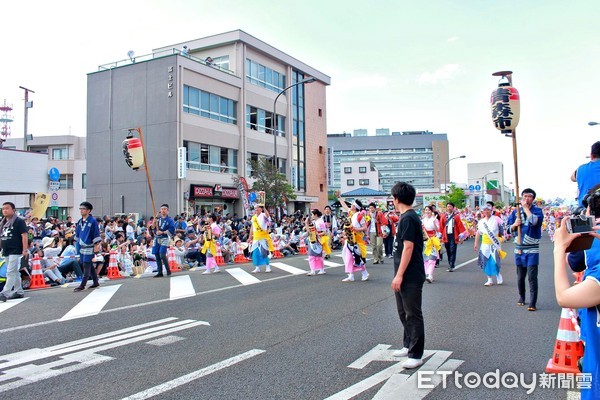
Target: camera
(593, 201)
(580, 224)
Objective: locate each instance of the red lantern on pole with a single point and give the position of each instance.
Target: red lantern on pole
(505, 108)
(134, 152)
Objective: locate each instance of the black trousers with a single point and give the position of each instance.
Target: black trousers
(388, 245)
(88, 270)
(451, 250)
(408, 302)
(162, 260)
(522, 272)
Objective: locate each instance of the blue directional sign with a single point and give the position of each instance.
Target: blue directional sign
(54, 174)
(471, 187)
(477, 187)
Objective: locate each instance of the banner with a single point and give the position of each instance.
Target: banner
(40, 205)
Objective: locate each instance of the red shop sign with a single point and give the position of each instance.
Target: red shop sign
(203, 191)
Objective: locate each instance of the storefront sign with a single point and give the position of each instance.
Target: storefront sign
(197, 191)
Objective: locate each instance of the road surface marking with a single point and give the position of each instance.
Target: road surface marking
(11, 303)
(331, 263)
(165, 340)
(181, 286)
(242, 276)
(93, 303)
(19, 370)
(182, 380)
(465, 263)
(288, 268)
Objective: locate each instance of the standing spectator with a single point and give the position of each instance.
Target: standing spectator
(527, 249)
(409, 275)
(87, 241)
(375, 233)
(14, 244)
(453, 233)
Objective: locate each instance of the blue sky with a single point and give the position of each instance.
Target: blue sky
(403, 65)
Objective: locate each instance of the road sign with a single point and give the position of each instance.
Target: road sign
(471, 187)
(477, 187)
(55, 196)
(54, 174)
(54, 185)
(492, 184)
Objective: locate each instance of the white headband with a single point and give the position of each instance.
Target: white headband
(355, 204)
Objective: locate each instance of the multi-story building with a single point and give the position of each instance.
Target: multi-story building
(65, 153)
(359, 174)
(205, 113)
(415, 157)
(486, 183)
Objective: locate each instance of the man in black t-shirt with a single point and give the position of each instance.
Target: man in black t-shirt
(13, 240)
(409, 275)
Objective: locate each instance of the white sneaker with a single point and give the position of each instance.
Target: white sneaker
(429, 278)
(403, 352)
(488, 283)
(256, 270)
(321, 272)
(217, 270)
(311, 273)
(412, 363)
(499, 279)
(267, 270)
(349, 279)
(206, 272)
(365, 277)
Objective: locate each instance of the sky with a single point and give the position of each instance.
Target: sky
(403, 65)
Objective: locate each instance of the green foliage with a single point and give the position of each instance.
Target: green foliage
(273, 183)
(457, 196)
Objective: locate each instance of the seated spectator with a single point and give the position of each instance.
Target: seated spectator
(49, 262)
(179, 249)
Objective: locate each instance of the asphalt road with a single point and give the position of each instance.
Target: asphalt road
(287, 336)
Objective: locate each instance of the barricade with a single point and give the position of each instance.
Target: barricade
(239, 257)
(113, 267)
(302, 247)
(172, 260)
(568, 348)
(37, 276)
(277, 252)
(219, 257)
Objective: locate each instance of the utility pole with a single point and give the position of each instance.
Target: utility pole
(28, 105)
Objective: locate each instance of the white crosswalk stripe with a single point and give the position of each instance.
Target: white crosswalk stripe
(93, 303)
(181, 286)
(331, 263)
(242, 276)
(11, 303)
(288, 268)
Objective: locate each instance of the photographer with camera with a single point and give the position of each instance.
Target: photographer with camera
(527, 245)
(585, 295)
(588, 175)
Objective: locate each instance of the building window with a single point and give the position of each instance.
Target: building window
(350, 182)
(321, 187)
(204, 157)
(61, 153)
(362, 170)
(347, 170)
(261, 120)
(262, 76)
(66, 181)
(320, 149)
(209, 105)
(221, 62)
(363, 182)
(84, 181)
(320, 112)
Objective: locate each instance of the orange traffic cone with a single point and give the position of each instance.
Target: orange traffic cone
(302, 247)
(37, 276)
(219, 257)
(113, 267)
(277, 252)
(172, 260)
(239, 257)
(568, 348)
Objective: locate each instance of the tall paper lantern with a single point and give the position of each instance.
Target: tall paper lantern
(134, 152)
(505, 108)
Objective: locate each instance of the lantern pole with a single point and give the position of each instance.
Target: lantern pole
(146, 167)
(513, 135)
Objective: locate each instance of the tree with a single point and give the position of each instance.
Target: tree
(457, 196)
(277, 189)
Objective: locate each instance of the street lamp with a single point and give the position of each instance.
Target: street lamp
(305, 80)
(484, 187)
(446, 172)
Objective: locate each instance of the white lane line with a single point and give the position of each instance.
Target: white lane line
(165, 387)
(242, 276)
(288, 268)
(11, 303)
(165, 340)
(181, 286)
(93, 303)
(465, 263)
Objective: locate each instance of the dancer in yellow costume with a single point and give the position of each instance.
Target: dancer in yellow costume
(359, 226)
(261, 240)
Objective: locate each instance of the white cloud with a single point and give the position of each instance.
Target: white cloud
(444, 73)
